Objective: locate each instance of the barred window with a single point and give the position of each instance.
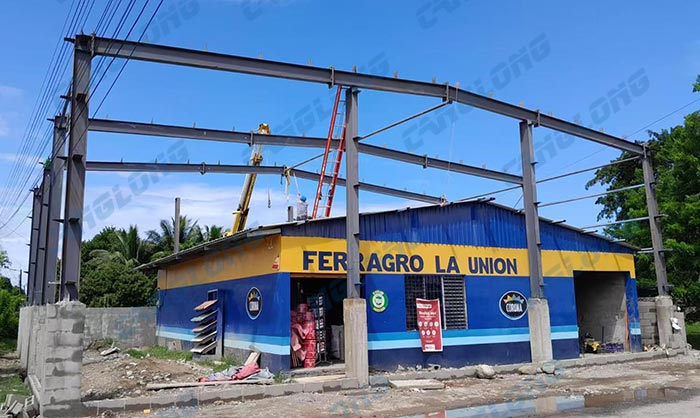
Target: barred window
(448, 289)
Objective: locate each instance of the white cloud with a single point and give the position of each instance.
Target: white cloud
(4, 126)
(9, 93)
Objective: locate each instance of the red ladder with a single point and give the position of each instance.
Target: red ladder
(336, 131)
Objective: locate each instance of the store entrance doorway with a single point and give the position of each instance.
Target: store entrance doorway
(317, 333)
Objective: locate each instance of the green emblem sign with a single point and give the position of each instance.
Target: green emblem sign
(379, 301)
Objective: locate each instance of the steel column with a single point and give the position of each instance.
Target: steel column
(33, 244)
(75, 179)
(40, 289)
(532, 221)
(654, 225)
(352, 194)
(55, 194)
(222, 62)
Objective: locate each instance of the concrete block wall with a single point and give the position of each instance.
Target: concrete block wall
(647, 321)
(60, 383)
(129, 327)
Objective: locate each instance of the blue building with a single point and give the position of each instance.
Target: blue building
(470, 256)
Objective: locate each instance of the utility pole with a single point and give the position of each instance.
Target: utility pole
(176, 231)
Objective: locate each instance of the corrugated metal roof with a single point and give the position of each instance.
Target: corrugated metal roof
(464, 223)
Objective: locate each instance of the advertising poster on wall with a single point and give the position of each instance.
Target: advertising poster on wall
(429, 324)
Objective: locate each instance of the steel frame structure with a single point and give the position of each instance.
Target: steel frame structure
(87, 47)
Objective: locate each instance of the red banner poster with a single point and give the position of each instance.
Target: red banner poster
(429, 324)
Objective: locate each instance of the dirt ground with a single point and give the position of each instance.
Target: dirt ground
(119, 375)
(682, 372)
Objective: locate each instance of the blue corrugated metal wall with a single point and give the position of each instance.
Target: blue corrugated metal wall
(268, 333)
(470, 223)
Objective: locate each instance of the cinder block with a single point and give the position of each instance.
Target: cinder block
(349, 383)
(443, 374)
(210, 395)
(253, 392)
(139, 404)
(378, 380)
(332, 385)
(105, 404)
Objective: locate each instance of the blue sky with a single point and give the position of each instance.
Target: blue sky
(618, 67)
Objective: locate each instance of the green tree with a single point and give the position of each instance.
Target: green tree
(10, 302)
(675, 155)
(4, 259)
(128, 249)
(696, 86)
(163, 239)
(211, 232)
(112, 284)
(105, 240)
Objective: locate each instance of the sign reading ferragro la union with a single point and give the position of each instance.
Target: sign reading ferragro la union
(410, 263)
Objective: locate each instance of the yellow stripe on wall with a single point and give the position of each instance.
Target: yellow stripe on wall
(320, 256)
(327, 255)
(251, 259)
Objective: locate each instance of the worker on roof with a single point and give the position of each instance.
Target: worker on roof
(302, 209)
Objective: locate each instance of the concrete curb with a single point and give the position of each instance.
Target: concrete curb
(447, 374)
(201, 396)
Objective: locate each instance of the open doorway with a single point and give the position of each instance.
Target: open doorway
(317, 321)
(601, 310)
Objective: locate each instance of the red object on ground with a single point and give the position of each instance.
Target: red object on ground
(309, 363)
(302, 308)
(247, 370)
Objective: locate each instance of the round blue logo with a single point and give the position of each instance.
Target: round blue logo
(513, 305)
(253, 303)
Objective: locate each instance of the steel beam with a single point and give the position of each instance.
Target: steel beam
(245, 169)
(331, 76)
(202, 168)
(55, 194)
(532, 220)
(41, 283)
(428, 162)
(655, 225)
(169, 131)
(149, 129)
(75, 179)
(33, 245)
(352, 194)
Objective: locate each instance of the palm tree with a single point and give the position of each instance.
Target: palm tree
(129, 249)
(163, 240)
(4, 259)
(212, 232)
